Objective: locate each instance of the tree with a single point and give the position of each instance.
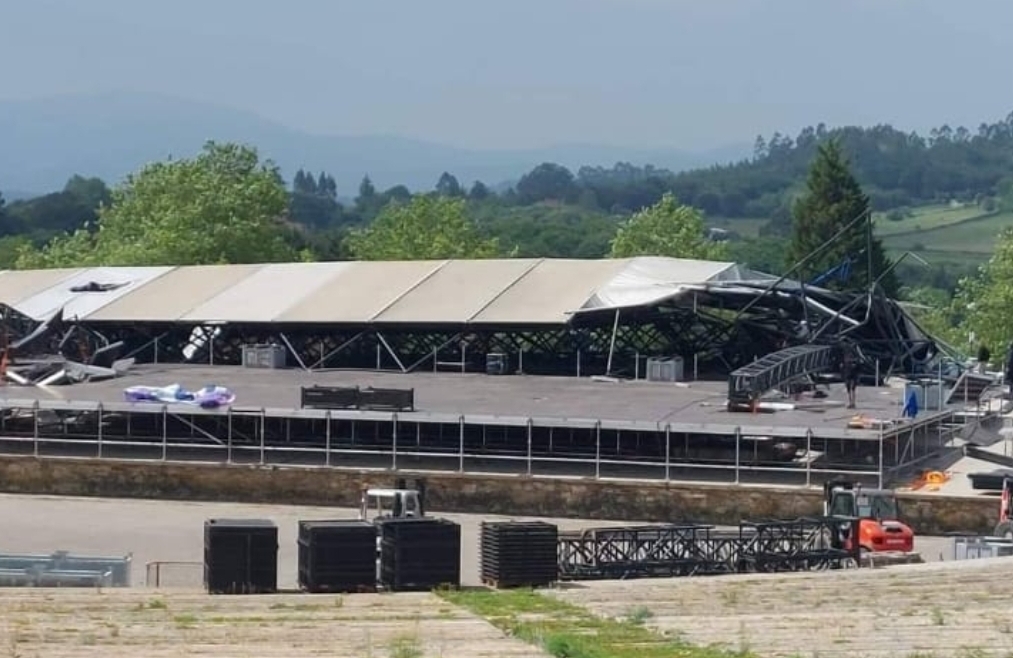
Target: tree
(449, 186)
(223, 206)
(986, 300)
(479, 191)
(547, 181)
(833, 199)
(426, 227)
(667, 228)
(90, 192)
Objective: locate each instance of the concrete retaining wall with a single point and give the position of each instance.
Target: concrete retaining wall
(489, 494)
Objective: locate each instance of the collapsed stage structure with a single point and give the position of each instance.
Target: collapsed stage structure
(537, 316)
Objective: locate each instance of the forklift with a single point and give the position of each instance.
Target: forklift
(401, 502)
(877, 512)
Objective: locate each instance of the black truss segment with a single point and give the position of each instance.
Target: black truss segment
(692, 550)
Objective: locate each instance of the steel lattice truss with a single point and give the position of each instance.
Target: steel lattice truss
(688, 550)
(748, 383)
(717, 327)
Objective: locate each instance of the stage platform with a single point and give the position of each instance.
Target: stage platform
(513, 399)
(568, 426)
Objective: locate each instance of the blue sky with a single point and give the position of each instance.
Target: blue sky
(526, 73)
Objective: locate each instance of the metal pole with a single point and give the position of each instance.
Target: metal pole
(228, 453)
(668, 452)
(529, 445)
(597, 449)
(98, 434)
(393, 451)
(738, 450)
(578, 362)
(35, 426)
(434, 359)
(464, 356)
(460, 449)
(881, 457)
(165, 432)
(808, 457)
(378, 355)
(327, 439)
(156, 349)
(636, 366)
(263, 432)
(612, 344)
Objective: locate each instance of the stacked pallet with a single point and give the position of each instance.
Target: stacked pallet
(419, 554)
(337, 556)
(240, 556)
(519, 553)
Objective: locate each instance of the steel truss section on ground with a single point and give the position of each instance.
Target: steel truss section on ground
(695, 550)
(533, 446)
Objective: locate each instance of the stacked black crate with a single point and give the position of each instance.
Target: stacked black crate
(337, 556)
(419, 554)
(240, 556)
(519, 553)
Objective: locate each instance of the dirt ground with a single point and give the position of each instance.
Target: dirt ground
(123, 623)
(928, 608)
(172, 531)
(958, 609)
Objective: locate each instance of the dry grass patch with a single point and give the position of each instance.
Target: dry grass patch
(940, 609)
(133, 622)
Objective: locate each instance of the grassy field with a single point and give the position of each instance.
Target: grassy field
(973, 236)
(925, 218)
(941, 234)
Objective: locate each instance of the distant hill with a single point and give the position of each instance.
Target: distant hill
(108, 135)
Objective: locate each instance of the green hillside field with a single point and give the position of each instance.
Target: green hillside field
(968, 241)
(941, 234)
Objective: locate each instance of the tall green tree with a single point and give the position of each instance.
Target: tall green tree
(668, 228)
(426, 227)
(223, 206)
(832, 200)
(986, 300)
(91, 192)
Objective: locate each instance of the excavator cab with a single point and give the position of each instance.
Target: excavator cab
(1004, 528)
(878, 514)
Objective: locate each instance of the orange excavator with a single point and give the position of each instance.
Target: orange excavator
(878, 514)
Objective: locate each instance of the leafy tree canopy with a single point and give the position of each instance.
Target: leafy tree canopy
(832, 202)
(667, 228)
(223, 206)
(425, 227)
(985, 301)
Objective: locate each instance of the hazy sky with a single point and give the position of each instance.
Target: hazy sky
(523, 73)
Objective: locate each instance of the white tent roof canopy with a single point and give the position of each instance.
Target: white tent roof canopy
(496, 291)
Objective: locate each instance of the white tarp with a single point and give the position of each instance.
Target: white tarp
(650, 279)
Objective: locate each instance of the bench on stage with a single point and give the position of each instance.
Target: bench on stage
(353, 397)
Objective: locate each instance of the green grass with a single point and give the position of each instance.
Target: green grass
(569, 631)
(924, 218)
(977, 235)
